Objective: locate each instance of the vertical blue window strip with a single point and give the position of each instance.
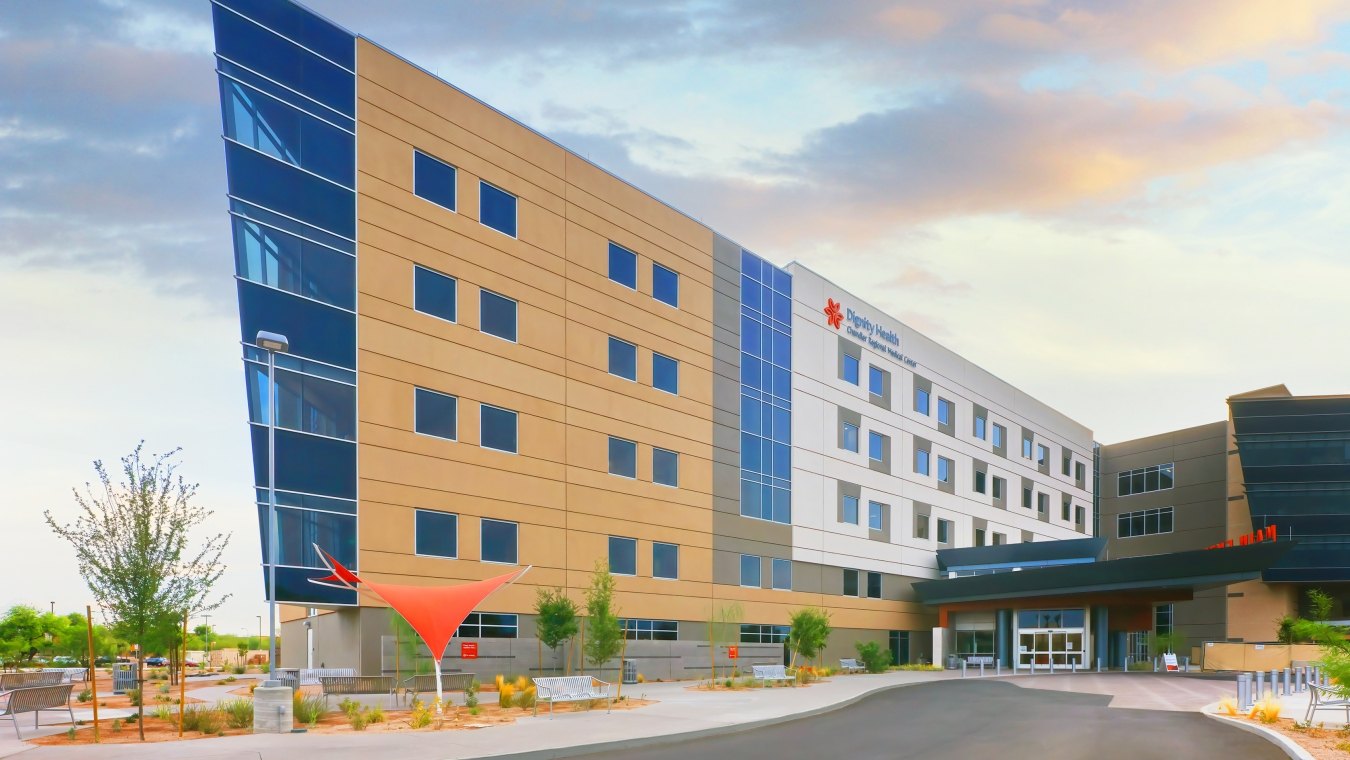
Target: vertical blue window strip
(290, 165)
(766, 390)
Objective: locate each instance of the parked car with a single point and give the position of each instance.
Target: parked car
(191, 663)
(103, 659)
(157, 662)
(65, 660)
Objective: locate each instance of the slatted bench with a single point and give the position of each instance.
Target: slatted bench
(341, 685)
(1323, 698)
(425, 683)
(312, 676)
(849, 665)
(35, 699)
(768, 673)
(71, 675)
(570, 689)
(11, 681)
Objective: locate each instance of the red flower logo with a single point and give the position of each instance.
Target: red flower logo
(833, 314)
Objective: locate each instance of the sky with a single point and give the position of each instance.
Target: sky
(1130, 209)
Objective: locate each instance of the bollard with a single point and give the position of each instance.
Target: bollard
(963, 668)
(1099, 664)
(1155, 664)
(1298, 679)
(998, 667)
(981, 668)
(1258, 684)
(1244, 690)
(1185, 664)
(1052, 665)
(1275, 681)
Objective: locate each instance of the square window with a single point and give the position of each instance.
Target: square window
(665, 285)
(921, 401)
(850, 509)
(434, 293)
(665, 373)
(850, 437)
(944, 531)
(750, 571)
(433, 180)
(874, 585)
(497, 428)
(499, 541)
(876, 446)
(921, 526)
(944, 411)
(921, 461)
(850, 369)
(435, 414)
(874, 515)
(622, 359)
(623, 266)
(622, 555)
(945, 467)
(850, 582)
(782, 574)
(979, 482)
(436, 534)
(876, 381)
(497, 208)
(665, 467)
(497, 315)
(622, 457)
(665, 561)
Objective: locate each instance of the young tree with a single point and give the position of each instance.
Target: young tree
(724, 625)
(131, 541)
(21, 629)
(810, 630)
(604, 638)
(555, 620)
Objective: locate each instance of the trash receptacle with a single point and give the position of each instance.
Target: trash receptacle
(630, 671)
(951, 662)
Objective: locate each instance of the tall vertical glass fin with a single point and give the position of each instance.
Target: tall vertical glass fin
(288, 116)
(766, 390)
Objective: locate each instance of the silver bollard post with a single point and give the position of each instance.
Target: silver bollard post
(1275, 681)
(1298, 679)
(981, 668)
(1244, 689)
(1185, 664)
(998, 667)
(1099, 664)
(1258, 684)
(1052, 665)
(963, 668)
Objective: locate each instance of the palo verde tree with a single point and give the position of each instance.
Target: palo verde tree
(604, 639)
(808, 632)
(555, 621)
(132, 543)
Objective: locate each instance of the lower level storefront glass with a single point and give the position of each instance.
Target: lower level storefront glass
(1048, 638)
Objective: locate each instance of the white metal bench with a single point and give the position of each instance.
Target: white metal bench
(35, 699)
(570, 689)
(11, 681)
(1324, 698)
(72, 675)
(341, 685)
(850, 664)
(771, 673)
(980, 659)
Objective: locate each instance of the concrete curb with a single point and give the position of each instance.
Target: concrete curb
(1289, 746)
(653, 741)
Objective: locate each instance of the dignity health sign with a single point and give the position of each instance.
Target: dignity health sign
(872, 334)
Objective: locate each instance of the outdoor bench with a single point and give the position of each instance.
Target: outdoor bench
(848, 664)
(35, 699)
(340, 685)
(311, 676)
(426, 683)
(771, 673)
(1324, 698)
(570, 689)
(11, 681)
(71, 675)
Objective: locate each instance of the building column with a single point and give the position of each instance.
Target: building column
(1100, 632)
(940, 645)
(1003, 637)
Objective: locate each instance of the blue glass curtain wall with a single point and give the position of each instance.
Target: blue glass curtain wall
(766, 390)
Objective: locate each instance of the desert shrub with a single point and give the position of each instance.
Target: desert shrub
(231, 679)
(471, 695)
(375, 714)
(1141, 666)
(358, 719)
(201, 718)
(70, 733)
(349, 706)
(84, 696)
(238, 713)
(525, 698)
(505, 693)
(421, 715)
(924, 666)
(642, 678)
(1267, 710)
(1228, 706)
(134, 696)
(237, 670)
(874, 658)
(117, 725)
(132, 718)
(307, 709)
(163, 712)
(164, 689)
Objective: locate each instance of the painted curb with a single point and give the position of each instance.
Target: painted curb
(1289, 746)
(655, 741)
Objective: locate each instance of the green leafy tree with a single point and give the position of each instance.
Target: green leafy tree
(21, 629)
(131, 541)
(1319, 605)
(808, 633)
(555, 620)
(874, 658)
(604, 638)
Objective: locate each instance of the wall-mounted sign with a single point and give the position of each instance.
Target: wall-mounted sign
(733, 653)
(1268, 533)
(468, 650)
(872, 334)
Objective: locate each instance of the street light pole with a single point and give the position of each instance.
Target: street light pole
(272, 343)
(206, 664)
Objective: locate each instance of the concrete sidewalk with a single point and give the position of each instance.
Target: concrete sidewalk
(678, 711)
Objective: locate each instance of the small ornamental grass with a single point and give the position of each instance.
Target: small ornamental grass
(307, 709)
(238, 713)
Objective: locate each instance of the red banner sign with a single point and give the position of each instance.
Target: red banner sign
(1267, 533)
(468, 650)
(732, 653)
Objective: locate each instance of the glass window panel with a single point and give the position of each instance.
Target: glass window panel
(874, 516)
(305, 28)
(782, 574)
(944, 411)
(751, 370)
(497, 428)
(979, 482)
(874, 585)
(437, 534)
(782, 281)
(665, 373)
(944, 470)
(943, 531)
(622, 556)
(1165, 476)
(499, 541)
(622, 359)
(1137, 483)
(665, 467)
(1123, 484)
(1165, 521)
(268, 54)
(435, 294)
(921, 461)
(876, 381)
(921, 526)
(750, 336)
(272, 126)
(436, 414)
(1123, 526)
(980, 428)
(921, 401)
(306, 463)
(622, 457)
(850, 369)
(850, 583)
(665, 285)
(750, 499)
(782, 460)
(750, 570)
(1151, 479)
(497, 209)
(850, 437)
(497, 315)
(305, 403)
(850, 508)
(298, 530)
(623, 266)
(433, 180)
(315, 331)
(782, 308)
(876, 444)
(665, 560)
(782, 424)
(750, 293)
(277, 185)
(782, 349)
(1150, 522)
(782, 506)
(750, 414)
(1138, 524)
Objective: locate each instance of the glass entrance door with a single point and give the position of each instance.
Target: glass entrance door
(1043, 647)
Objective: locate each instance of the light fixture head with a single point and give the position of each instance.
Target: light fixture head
(270, 341)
